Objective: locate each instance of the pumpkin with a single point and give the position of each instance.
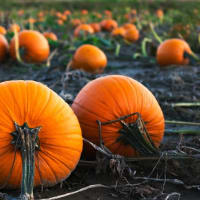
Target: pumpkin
(172, 51)
(2, 30)
(67, 12)
(84, 12)
(59, 141)
(132, 35)
(14, 27)
(3, 47)
(35, 45)
(109, 98)
(85, 28)
(96, 27)
(108, 24)
(50, 35)
(75, 22)
(60, 22)
(159, 13)
(119, 31)
(89, 58)
(128, 26)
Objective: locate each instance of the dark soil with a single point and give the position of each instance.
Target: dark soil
(169, 85)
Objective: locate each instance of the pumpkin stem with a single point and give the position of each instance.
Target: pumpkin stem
(156, 36)
(143, 46)
(27, 144)
(134, 134)
(69, 66)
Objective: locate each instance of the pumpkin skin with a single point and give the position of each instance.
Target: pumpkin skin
(86, 28)
(3, 47)
(50, 35)
(128, 26)
(60, 134)
(172, 51)
(132, 35)
(96, 27)
(119, 31)
(14, 27)
(35, 44)
(89, 58)
(108, 24)
(2, 30)
(108, 98)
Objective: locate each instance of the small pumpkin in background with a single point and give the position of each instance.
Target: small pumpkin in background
(119, 31)
(34, 45)
(96, 27)
(4, 47)
(159, 13)
(60, 22)
(2, 30)
(76, 22)
(14, 27)
(85, 28)
(132, 35)
(128, 26)
(88, 58)
(108, 24)
(50, 35)
(172, 51)
(110, 98)
(84, 12)
(58, 144)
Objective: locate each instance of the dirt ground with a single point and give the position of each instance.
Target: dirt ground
(169, 85)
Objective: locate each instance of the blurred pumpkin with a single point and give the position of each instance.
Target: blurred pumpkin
(96, 27)
(35, 46)
(50, 35)
(76, 22)
(128, 26)
(108, 24)
(14, 27)
(172, 51)
(60, 22)
(2, 30)
(3, 47)
(59, 141)
(84, 28)
(159, 13)
(119, 31)
(109, 98)
(89, 58)
(132, 35)
(84, 12)
(67, 12)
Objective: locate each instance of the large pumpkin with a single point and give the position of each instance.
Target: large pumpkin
(34, 44)
(59, 139)
(109, 98)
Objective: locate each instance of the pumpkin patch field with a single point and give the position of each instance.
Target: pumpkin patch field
(100, 100)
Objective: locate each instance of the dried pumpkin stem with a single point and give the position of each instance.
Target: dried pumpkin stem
(135, 134)
(27, 145)
(117, 49)
(69, 66)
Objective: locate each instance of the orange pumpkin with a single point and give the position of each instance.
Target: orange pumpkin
(3, 47)
(50, 35)
(84, 12)
(85, 28)
(108, 24)
(132, 35)
(109, 98)
(60, 22)
(59, 142)
(67, 12)
(128, 26)
(35, 45)
(2, 30)
(172, 51)
(159, 13)
(75, 22)
(96, 27)
(89, 58)
(14, 27)
(119, 31)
